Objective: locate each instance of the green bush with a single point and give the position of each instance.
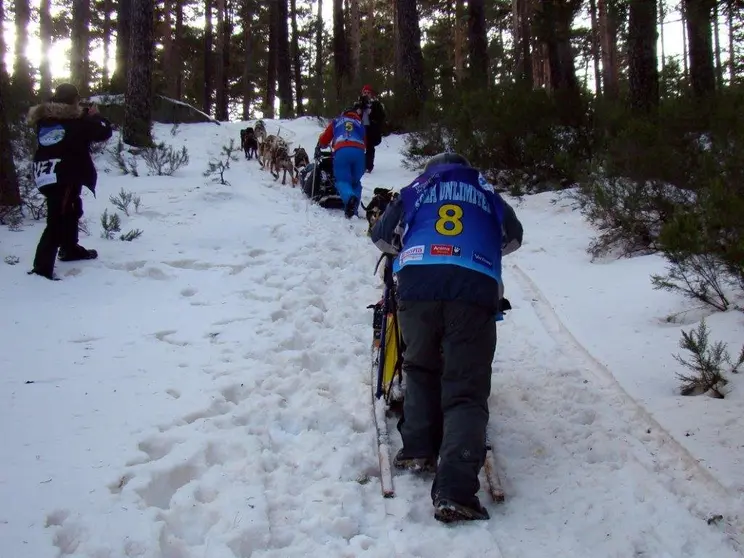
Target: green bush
(515, 136)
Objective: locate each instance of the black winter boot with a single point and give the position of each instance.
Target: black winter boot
(77, 253)
(448, 511)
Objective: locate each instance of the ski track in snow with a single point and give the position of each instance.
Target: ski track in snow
(243, 473)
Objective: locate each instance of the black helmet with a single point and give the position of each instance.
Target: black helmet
(447, 158)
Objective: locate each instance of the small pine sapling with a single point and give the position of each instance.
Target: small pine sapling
(123, 199)
(217, 166)
(697, 276)
(163, 160)
(111, 224)
(83, 227)
(11, 216)
(131, 235)
(707, 363)
(126, 161)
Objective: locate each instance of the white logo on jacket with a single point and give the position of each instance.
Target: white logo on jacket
(51, 136)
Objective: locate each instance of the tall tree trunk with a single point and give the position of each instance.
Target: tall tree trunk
(10, 194)
(105, 78)
(478, 44)
(178, 51)
(138, 106)
(23, 84)
(662, 16)
(643, 71)
(80, 48)
(685, 48)
(208, 58)
(608, 43)
(220, 70)
(396, 38)
(730, 23)
(123, 36)
(45, 34)
(247, 17)
(296, 61)
(523, 55)
(355, 40)
(170, 71)
(370, 34)
(717, 48)
(319, 89)
(699, 29)
(284, 61)
(271, 71)
(411, 58)
(3, 69)
(341, 71)
(459, 40)
(554, 29)
(595, 46)
(225, 82)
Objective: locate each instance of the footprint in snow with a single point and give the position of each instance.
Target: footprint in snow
(151, 273)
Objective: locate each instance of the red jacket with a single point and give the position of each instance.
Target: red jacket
(326, 137)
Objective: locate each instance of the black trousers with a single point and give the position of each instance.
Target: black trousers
(369, 157)
(64, 210)
(447, 362)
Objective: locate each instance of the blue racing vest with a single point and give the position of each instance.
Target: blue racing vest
(450, 217)
(348, 131)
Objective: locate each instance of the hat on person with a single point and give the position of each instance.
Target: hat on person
(367, 90)
(447, 158)
(66, 93)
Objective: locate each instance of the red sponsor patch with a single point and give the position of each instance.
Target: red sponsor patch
(441, 250)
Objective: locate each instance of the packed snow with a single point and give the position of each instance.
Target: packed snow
(204, 390)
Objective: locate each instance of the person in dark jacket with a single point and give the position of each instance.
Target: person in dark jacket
(448, 231)
(373, 118)
(62, 166)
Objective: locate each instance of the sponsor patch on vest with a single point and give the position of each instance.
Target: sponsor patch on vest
(414, 253)
(444, 250)
(51, 135)
(483, 260)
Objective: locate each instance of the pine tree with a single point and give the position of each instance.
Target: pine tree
(138, 106)
(9, 190)
(643, 73)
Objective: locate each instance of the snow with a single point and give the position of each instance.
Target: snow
(203, 391)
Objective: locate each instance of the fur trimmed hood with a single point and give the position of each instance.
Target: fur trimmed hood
(57, 111)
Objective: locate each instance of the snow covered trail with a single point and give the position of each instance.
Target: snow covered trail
(274, 461)
(205, 393)
(585, 475)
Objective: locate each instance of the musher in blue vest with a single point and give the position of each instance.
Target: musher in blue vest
(346, 134)
(449, 230)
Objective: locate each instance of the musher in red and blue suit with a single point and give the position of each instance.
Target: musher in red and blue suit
(346, 134)
(449, 230)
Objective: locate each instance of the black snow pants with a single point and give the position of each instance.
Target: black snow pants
(449, 347)
(64, 210)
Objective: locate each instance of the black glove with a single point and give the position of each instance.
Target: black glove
(317, 151)
(504, 305)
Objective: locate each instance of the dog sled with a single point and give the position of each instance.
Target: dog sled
(387, 343)
(386, 372)
(318, 182)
